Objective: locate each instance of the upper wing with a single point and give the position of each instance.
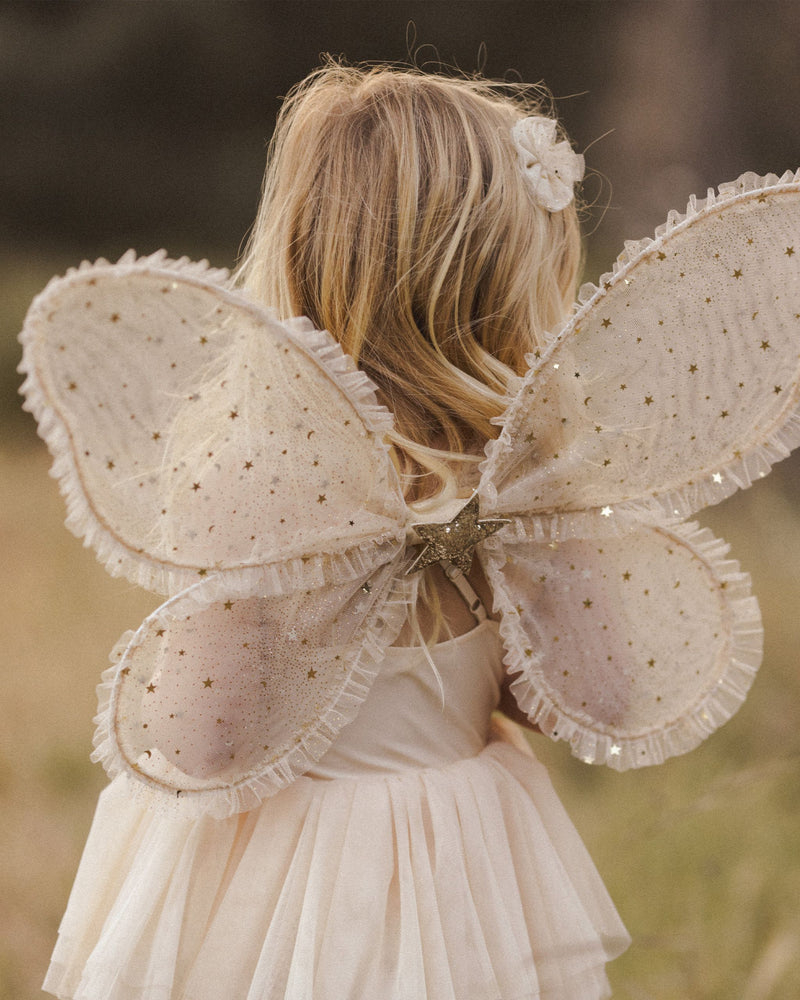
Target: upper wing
(194, 433)
(676, 382)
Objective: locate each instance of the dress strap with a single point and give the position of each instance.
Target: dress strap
(465, 588)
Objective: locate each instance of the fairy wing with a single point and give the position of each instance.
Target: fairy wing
(238, 463)
(193, 433)
(675, 383)
(221, 700)
(633, 648)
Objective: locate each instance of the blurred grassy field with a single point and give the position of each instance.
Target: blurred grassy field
(59, 615)
(702, 855)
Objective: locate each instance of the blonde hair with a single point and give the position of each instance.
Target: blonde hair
(395, 215)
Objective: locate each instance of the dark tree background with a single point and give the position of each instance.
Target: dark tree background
(144, 123)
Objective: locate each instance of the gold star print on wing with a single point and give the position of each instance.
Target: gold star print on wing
(454, 541)
(642, 445)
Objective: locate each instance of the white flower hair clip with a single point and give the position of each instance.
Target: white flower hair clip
(551, 167)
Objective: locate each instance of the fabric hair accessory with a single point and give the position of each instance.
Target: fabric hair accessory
(551, 167)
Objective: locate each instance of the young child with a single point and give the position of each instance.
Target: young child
(404, 847)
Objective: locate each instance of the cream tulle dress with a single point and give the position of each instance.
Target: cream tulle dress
(297, 811)
(416, 861)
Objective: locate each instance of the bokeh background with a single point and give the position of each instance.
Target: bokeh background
(144, 124)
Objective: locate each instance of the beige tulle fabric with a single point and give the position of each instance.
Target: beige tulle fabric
(238, 463)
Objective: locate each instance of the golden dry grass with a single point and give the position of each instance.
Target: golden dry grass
(59, 616)
(700, 854)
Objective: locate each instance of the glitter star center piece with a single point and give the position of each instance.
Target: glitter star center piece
(454, 541)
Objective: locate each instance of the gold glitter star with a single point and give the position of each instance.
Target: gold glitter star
(648, 400)
(692, 369)
(764, 345)
(207, 682)
(789, 251)
(606, 323)
(228, 605)
(311, 674)
(737, 273)
(455, 540)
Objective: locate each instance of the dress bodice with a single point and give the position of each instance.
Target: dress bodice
(409, 721)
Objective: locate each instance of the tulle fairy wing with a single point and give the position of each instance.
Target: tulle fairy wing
(675, 383)
(209, 451)
(220, 701)
(632, 647)
(194, 434)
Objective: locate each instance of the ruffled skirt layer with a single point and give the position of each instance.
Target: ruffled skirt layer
(466, 882)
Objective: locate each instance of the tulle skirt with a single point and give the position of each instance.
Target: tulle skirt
(465, 882)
